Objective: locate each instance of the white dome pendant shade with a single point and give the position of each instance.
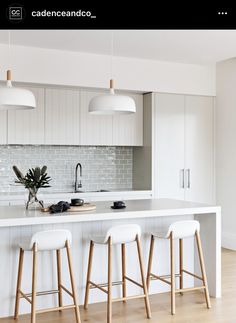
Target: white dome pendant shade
(14, 98)
(112, 103)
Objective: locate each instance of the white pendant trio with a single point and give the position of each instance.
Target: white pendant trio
(15, 98)
(112, 103)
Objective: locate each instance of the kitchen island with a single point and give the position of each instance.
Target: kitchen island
(151, 214)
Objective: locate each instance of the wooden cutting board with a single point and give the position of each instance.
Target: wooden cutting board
(85, 207)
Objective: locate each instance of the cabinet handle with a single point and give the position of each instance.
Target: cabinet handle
(182, 184)
(188, 178)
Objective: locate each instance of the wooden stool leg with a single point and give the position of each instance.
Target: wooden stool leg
(146, 299)
(203, 270)
(90, 260)
(181, 264)
(150, 261)
(59, 278)
(18, 286)
(34, 281)
(77, 315)
(109, 296)
(123, 270)
(172, 265)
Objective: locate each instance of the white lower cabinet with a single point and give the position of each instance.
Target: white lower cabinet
(184, 147)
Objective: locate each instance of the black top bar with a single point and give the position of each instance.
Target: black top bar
(20, 14)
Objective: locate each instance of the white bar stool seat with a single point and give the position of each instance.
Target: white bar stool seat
(120, 234)
(47, 240)
(44, 241)
(179, 230)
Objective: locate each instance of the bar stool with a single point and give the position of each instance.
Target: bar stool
(42, 241)
(179, 230)
(120, 234)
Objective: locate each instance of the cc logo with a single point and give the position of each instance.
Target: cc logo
(15, 13)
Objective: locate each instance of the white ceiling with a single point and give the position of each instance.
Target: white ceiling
(185, 46)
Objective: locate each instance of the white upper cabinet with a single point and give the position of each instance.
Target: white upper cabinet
(128, 128)
(27, 126)
(3, 127)
(95, 129)
(62, 117)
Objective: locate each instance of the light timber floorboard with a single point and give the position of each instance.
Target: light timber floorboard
(190, 307)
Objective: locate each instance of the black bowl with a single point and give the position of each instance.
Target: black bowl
(77, 202)
(118, 204)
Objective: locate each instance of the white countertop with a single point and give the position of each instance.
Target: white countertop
(18, 216)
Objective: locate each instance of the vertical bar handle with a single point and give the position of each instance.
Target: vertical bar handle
(188, 178)
(182, 184)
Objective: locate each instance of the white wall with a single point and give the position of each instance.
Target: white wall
(81, 69)
(226, 148)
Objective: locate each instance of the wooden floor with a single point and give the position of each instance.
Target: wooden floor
(190, 308)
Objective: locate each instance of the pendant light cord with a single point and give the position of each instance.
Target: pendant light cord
(9, 60)
(9, 49)
(112, 52)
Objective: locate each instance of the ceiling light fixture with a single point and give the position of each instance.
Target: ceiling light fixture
(15, 98)
(112, 103)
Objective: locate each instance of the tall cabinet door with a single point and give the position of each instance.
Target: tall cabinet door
(199, 148)
(128, 128)
(62, 117)
(27, 126)
(168, 156)
(95, 129)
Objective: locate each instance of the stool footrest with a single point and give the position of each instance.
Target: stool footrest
(47, 292)
(99, 286)
(53, 309)
(127, 298)
(191, 274)
(133, 281)
(66, 290)
(25, 296)
(155, 277)
(28, 295)
(182, 290)
(105, 284)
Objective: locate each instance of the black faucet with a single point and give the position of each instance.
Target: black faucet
(76, 177)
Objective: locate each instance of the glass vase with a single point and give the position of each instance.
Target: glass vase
(33, 201)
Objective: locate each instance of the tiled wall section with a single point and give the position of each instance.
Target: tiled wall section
(103, 167)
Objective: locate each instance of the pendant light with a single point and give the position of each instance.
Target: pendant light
(15, 98)
(112, 103)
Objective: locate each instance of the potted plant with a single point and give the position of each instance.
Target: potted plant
(34, 179)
